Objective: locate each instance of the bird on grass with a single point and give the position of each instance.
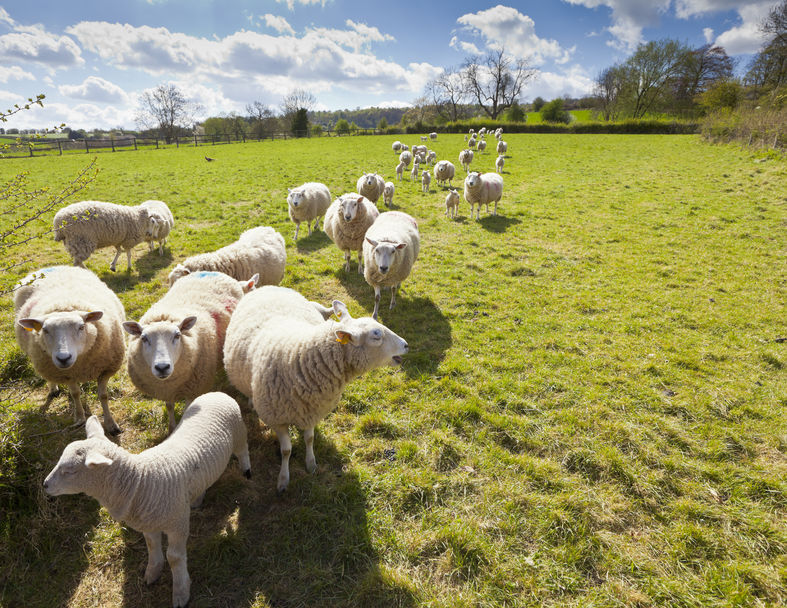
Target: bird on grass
(209, 159)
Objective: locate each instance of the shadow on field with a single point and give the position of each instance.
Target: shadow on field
(316, 241)
(143, 269)
(310, 546)
(497, 223)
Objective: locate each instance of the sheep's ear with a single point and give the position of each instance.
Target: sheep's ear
(251, 283)
(340, 310)
(92, 316)
(31, 324)
(289, 190)
(372, 242)
(187, 323)
(95, 459)
(93, 428)
(133, 328)
(346, 337)
(401, 245)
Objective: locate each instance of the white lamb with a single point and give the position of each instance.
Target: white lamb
(499, 163)
(346, 222)
(371, 186)
(293, 364)
(152, 491)
(161, 224)
(465, 158)
(400, 170)
(444, 172)
(471, 143)
(482, 189)
(431, 157)
(502, 147)
(426, 179)
(406, 157)
(306, 203)
(175, 349)
(388, 193)
(258, 250)
(481, 145)
(69, 323)
(416, 170)
(397, 146)
(433, 136)
(89, 225)
(465, 136)
(452, 203)
(390, 250)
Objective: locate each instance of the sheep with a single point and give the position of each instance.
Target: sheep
(481, 145)
(390, 249)
(470, 132)
(426, 179)
(482, 189)
(433, 135)
(499, 133)
(175, 348)
(346, 222)
(67, 321)
(431, 157)
(465, 158)
(465, 136)
(482, 131)
(308, 202)
(388, 193)
(452, 203)
(471, 143)
(258, 250)
(416, 171)
(424, 138)
(499, 163)
(399, 171)
(406, 157)
(89, 225)
(161, 224)
(417, 150)
(397, 146)
(371, 186)
(152, 491)
(444, 171)
(405, 147)
(293, 364)
(502, 147)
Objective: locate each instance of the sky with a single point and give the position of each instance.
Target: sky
(94, 58)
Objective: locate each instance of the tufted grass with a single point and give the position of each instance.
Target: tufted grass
(593, 412)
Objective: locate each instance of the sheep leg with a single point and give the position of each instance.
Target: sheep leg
(161, 247)
(308, 439)
(297, 227)
(241, 452)
(155, 557)
(54, 391)
(128, 258)
(394, 291)
(347, 261)
(79, 412)
(171, 415)
(360, 262)
(376, 301)
(309, 226)
(110, 425)
(112, 266)
(197, 502)
(285, 445)
(495, 211)
(176, 556)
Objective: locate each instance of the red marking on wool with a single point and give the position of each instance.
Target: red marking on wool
(230, 304)
(220, 329)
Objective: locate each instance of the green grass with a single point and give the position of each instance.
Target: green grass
(592, 414)
(534, 118)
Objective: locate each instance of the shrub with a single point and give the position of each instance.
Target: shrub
(538, 103)
(726, 94)
(300, 123)
(515, 113)
(383, 124)
(316, 130)
(554, 112)
(342, 127)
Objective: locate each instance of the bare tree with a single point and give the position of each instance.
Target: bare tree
(297, 99)
(167, 109)
(449, 94)
(610, 89)
(495, 80)
(768, 69)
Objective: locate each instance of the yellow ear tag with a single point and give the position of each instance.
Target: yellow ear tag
(27, 328)
(344, 339)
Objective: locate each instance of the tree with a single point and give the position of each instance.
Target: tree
(554, 112)
(449, 94)
(651, 70)
(723, 94)
(383, 124)
(342, 127)
(515, 113)
(295, 100)
(262, 118)
(300, 123)
(495, 81)
(610, 89)
(768, 69)
(702, 68)
(166, 108)
(538, 103)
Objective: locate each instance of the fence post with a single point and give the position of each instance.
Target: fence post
(195, 140)
(87, 149)
(59, 148)
(30, 145)
(157, 143)
(135, 142)
(112, 139)
(177, 142)
(214, 139)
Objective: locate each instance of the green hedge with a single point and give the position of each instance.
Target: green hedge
(623, 126)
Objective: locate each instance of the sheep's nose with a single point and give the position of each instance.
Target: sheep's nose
(162, 368)
(46, 484)
(406, 347)
(63, 358)
(383, 268)
(347, 217)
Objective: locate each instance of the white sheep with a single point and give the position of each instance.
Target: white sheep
(431, 157)
(482, 131)
(371, 186)
(397, 146)
(175, 349)
(293, 364)
(452, 203)
(499, 133)
(416, 170)
(69, 323)
(465, 136)
(444, 172)
(400, 170)
(502, 147)
(405, 147)
(465, 158)
(499, 163)
(481, 145)
(153, 491)
(308, 202)
(388, 193)
(406, 157)
(426, 179)
(471, 143)
(89, 225)
(470, 132)
(418, 150)
(346, 222)
(482, 189)
(161, 223)
(390, 249)
(433, 135)
(259, 250)
(424, 138)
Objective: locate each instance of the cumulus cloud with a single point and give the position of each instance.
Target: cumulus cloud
(394, 103)
(505, 27)
(6, 18)
(465, 47)
(572, 81)
(291, 3)
(94, 88)
(746, 37)
(41, 47)
(14, 73)
(279, 24)
(629, 18)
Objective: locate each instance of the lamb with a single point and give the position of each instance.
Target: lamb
(406, 157)
(433, 135)
(465, 158)
(405, 147)
(471, 143)
(175, 349)
(418, 150)
(371, 186)
(294, 364)
(346, 222)
(499, 163)
(67, 321)
(444, 172)
(399, 171)
(452, 203)
(499, 133)
(426, 179)
(465, 136)
(397, 146)
(431, 157)
(390, 250)
(258, 250)
(161, 224)
(481, 145)
(416, 170)
(470, 132)
(308, 202)
(152, 491)
(89, 225)
(502, 147)
(388, 193)
(482, 189)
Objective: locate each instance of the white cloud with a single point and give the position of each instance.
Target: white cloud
(394, 103)
(465, 47)
(83, 115)
(95, 89)
(629, 17)
(40, 47)
(6, 18)
(291, 3)
(505, 27)
(368, 33)
(573, 81)
(15, 73)
(707, 32)
(692, 8)
(746, 37)
(279, 24)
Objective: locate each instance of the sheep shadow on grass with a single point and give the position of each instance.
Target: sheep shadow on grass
(314, 242)
(497, 223)
(143, 269)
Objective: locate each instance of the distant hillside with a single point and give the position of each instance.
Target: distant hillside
(366, 118)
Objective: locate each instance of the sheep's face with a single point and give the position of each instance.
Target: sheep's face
(74, 472)
(65, 335)
(294, 198)
(426, 176)
(155, 222)
(179, 271)
(384, 254)
(161, 343)
(473, 179)
(369, 180)
(349, 208)
(389, 189)
(381, 346)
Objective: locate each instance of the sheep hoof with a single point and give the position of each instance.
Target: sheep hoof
(112, 268)
(114, 431)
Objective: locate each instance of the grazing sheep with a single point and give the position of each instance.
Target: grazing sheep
(465, 158)
(433, 136)
(89, 225)
(152, 491)
(452, 203)
(308, 202)
(416, 170)
(406, 157)
(405, 147)
(400, 170)
(502, 147)
(499, 133)
(426, 179)
(390, 250)
(371, 186)
(499, 163)
(444, 172)
(161, 224)
(481, 145)
(470, 132)
(346, 222)
(418, 150)
(67, 321)
(388, 193)
(258, 250)
(482, 189)
(482, 131)
(175, 349)
(397, 146)
(293, 364)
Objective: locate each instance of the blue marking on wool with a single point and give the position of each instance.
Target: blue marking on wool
(205, 273)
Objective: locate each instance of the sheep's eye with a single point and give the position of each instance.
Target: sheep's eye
(176, 337)
(82, 327)
(377, 334)
(45, 330)
(145, 339)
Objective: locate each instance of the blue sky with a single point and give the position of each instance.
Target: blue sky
(93, 59)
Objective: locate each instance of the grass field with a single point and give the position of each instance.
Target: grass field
(592, 413)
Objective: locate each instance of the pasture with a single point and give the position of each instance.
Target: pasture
(592, 412)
